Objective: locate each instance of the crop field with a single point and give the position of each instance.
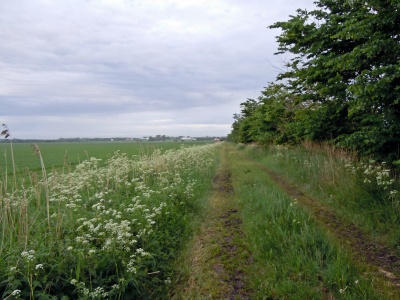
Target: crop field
(56, 155)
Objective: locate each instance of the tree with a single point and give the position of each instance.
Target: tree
(346, 69)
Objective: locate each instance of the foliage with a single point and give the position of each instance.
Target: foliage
(341, 84)
(103, 230)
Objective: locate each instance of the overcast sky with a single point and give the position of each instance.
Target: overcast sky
(132, 68)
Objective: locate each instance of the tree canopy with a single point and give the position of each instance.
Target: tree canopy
(342, 83)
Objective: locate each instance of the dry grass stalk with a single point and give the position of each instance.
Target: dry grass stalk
(6, 133)
(36, 149)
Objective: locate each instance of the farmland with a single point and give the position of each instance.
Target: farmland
(56, 154)
(198, 221)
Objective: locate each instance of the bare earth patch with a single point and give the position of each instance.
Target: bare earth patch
(230, 258)
(219, 255)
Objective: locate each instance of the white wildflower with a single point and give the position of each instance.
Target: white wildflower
(16, 293)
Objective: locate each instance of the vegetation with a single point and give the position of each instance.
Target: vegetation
(102, 230)
(293, 256)
(341, 84)
(151, 226)
(338, 102)
(330, 131)
(262, 238)
(69, 154)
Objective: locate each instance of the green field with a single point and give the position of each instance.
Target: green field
(56, 154)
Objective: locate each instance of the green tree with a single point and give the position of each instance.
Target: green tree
(346, 69)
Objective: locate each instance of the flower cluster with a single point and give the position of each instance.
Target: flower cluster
(377, 175)
(372, 172)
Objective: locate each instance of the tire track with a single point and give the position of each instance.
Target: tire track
(362, 246)
(218, 269)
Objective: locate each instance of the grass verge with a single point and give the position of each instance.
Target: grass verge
(362, 193)
(102, 231)
(293, 257)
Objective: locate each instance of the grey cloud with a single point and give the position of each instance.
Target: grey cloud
(178, 60)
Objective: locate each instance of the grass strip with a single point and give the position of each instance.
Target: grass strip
(362, 193)
(293, 258)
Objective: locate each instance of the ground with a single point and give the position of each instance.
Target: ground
(218, 259)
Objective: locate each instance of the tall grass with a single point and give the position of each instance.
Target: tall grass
(364, 192)
(103, 230)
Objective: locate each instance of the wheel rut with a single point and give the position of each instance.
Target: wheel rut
(219, 257)
(382, 260)
(230, 223)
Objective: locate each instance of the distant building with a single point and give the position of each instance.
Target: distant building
(188, 138)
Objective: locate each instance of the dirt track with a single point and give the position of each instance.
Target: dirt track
(220, 242)
(218, 266)
(230, 221)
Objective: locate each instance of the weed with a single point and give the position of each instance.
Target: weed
(104, 229)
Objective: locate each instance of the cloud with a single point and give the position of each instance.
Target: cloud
(134, 62)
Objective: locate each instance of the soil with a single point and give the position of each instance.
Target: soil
(229, 267)
(218, 268)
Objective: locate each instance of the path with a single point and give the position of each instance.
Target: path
(219, 256)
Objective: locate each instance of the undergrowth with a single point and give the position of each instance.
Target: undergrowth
(293, 258)
(108, 230)
(363, 192)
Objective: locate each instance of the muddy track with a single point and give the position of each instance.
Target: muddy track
(217, 264)
(377, 256)
(229, 220)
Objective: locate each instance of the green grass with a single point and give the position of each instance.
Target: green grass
(293, 257)
(54, 154)
(340, 182)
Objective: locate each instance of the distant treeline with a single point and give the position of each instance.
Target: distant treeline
(341, 85)
(157, 138)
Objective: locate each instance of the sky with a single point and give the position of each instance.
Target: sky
(134, 68)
